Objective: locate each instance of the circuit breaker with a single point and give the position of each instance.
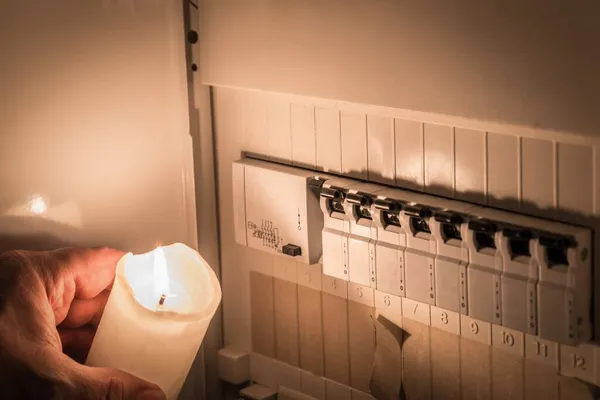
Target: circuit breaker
(362, 237)
(336, 228)
(391, 243)
(484, 271)
(449, 229)
(563, 286)
(518, 281)
(522, 273)
(420, 252)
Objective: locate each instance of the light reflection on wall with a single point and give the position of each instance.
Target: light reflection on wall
(94, 136)
(40, 207)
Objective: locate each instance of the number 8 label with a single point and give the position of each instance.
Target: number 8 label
(444, 317)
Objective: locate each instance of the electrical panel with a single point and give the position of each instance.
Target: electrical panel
(519, 272)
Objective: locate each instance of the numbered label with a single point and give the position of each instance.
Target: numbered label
(444, 318)
(578, 361)
(389, 306)
(310, 276)
(416, 311)
(359, 292)
(335, 286)
(541, 350)
(508, 339)
(474, 327)
(387, 301)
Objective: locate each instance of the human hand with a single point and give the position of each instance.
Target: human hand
(50, 306)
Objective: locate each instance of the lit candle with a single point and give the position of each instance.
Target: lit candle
(156, 316)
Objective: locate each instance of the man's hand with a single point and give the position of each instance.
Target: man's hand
(50, 306)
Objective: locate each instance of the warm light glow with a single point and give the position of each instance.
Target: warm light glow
(38, 205)
(161, 277)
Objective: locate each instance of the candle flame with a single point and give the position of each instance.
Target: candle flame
(161, 277)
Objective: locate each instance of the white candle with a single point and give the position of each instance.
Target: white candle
(157, 340)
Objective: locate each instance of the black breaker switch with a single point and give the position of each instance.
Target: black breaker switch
(292, 250)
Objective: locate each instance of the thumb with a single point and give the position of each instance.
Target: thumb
(111, 384)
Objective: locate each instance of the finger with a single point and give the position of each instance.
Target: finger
(76, 343)
(93, 270)
(85, 312)
(105, 383)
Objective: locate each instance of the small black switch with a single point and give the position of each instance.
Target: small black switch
(292, 250)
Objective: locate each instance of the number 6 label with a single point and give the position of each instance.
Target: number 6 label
(387, 301)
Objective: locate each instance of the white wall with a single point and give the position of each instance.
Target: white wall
(523, 62)
(94, 119)
(94, 116)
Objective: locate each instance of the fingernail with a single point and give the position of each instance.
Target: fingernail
(152, 394)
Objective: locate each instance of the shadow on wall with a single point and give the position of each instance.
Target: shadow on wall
(476, 198)
(479, 199)
(32, 233)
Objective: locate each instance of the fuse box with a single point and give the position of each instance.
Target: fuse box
(522, 274)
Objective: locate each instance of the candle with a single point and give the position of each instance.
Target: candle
(156, 316)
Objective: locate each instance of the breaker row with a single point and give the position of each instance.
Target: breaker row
(524, 273)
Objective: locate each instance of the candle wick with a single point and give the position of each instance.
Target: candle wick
(162, 300)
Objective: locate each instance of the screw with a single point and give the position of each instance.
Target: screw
(192, 37)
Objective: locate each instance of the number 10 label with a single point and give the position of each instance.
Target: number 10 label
(508, 339)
